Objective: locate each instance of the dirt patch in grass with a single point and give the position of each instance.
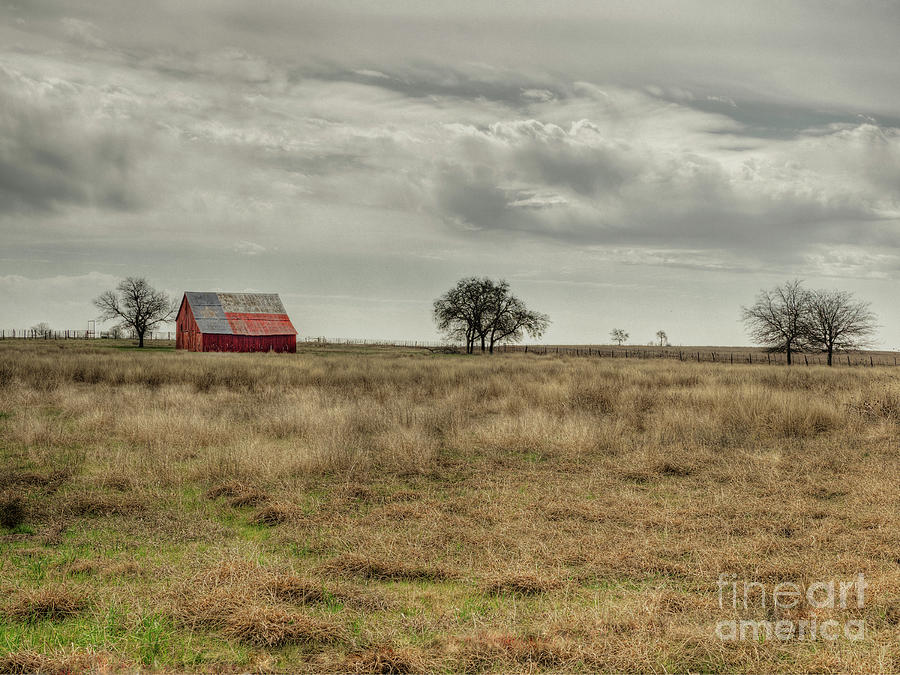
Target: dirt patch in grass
(54, 602)
(386, 570)
(519, 584)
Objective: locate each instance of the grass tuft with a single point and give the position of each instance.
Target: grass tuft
(53, 602)
(273, 514)
(275, 627)
(387, 661)
(373, 568)
(520, 583)
(12, 510)
(61, 662)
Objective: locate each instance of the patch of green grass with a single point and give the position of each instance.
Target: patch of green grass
(151, 640)
(477, 607)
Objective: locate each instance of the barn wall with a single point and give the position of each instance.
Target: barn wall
(187, 335)
(212, 342)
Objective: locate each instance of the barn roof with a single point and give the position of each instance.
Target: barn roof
(239, 313)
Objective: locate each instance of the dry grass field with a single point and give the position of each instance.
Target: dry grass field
(395, 511)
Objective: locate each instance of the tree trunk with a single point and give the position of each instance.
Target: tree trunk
(141, 339)
(830, 352)
(482, 344)
(789, 361)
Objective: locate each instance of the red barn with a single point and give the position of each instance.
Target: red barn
(234, 322)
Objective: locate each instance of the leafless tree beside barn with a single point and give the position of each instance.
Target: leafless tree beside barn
(137, 305)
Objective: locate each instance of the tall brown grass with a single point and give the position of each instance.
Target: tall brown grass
(513, 512)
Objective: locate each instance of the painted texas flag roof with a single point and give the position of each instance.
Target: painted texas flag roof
(239, 313)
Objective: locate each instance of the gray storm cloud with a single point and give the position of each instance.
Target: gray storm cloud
(726, 138)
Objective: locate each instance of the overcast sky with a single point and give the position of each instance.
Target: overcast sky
(641, 165)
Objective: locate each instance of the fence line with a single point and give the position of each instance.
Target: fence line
(434, 344)
(599, 351)
(32, 334)
(751, 357)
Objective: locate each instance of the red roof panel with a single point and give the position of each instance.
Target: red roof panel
(247, 323)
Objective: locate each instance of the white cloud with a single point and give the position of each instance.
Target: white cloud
(248, 248)
(85, 32)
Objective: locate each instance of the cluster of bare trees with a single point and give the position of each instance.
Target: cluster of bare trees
(479, 310)
(791, 318)
(620, 336)
(41, 329)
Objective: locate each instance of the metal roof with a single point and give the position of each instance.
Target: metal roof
(239, 313)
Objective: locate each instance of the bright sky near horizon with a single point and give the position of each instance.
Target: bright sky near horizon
(644, 165)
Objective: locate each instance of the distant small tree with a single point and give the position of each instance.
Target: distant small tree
(139, 306)
(662, 337)
(618, 336)
(778, 317)
(835, 320)
(41, 329)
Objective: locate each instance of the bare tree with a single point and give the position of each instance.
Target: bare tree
(835, 320)
(140, 306)
(459, 312)
(507, 319)
(662, 337)
(618, 336)
(778, 317)
(485, 311)
(41, 329)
